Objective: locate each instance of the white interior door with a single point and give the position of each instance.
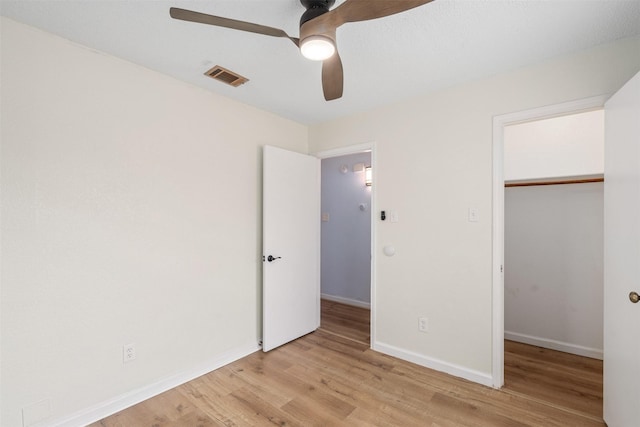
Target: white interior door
(291, 246)
(622, 257)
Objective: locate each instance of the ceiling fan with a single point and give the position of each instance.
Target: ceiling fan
(317, 30)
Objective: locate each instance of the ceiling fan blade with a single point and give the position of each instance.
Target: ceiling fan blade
(203, 18)
(332, 77)
(363, 10)
(359, 10)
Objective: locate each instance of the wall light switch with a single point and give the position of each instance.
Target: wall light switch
(393, 216)
(474, 215)
(325, 217)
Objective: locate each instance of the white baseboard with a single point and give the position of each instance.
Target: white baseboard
(118, 403)
(435, 364)
(579, 350)
(347, 301)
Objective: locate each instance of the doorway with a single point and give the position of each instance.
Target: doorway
(554, 226)
(554, 255)
(347, 206)
(528, 354)
(498, 220)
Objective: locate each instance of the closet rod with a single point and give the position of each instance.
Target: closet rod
(556, 182)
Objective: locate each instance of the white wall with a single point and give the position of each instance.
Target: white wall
(553, 280)
(563, 146)
(130, 214)
(434, 162)
(346, 236)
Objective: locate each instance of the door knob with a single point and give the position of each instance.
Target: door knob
(634, 297)
(271, 258)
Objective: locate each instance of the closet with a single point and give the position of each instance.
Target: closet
(553, 283)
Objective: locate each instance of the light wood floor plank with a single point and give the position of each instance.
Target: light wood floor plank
(345, 320)
(562, 379)
(332, 378)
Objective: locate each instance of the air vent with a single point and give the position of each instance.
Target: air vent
(226, 76)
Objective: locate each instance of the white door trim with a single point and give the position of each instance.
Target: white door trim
(354, 149)
(499, 122)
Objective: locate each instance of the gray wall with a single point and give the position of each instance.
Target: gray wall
(346, 236)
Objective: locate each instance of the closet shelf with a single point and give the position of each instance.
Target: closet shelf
(555, 181)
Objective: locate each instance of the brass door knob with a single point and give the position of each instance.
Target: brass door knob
(634, 297)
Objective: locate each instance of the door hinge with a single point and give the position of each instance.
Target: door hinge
(501, 268)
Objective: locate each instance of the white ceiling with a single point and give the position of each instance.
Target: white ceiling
(385, 60)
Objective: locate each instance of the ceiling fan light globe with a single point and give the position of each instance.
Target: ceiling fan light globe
(317, 48)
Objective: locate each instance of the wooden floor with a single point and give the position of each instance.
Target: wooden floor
(332, 378)
(561, 379)
(346, 321)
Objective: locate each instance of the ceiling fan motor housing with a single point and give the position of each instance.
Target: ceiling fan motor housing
(315, 8)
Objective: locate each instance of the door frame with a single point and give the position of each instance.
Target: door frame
(499, 123)
(355, 149)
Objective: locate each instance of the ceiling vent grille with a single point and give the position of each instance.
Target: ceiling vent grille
(225, 76)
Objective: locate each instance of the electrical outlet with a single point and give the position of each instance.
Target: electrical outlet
(423, 324)
(128, 353)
